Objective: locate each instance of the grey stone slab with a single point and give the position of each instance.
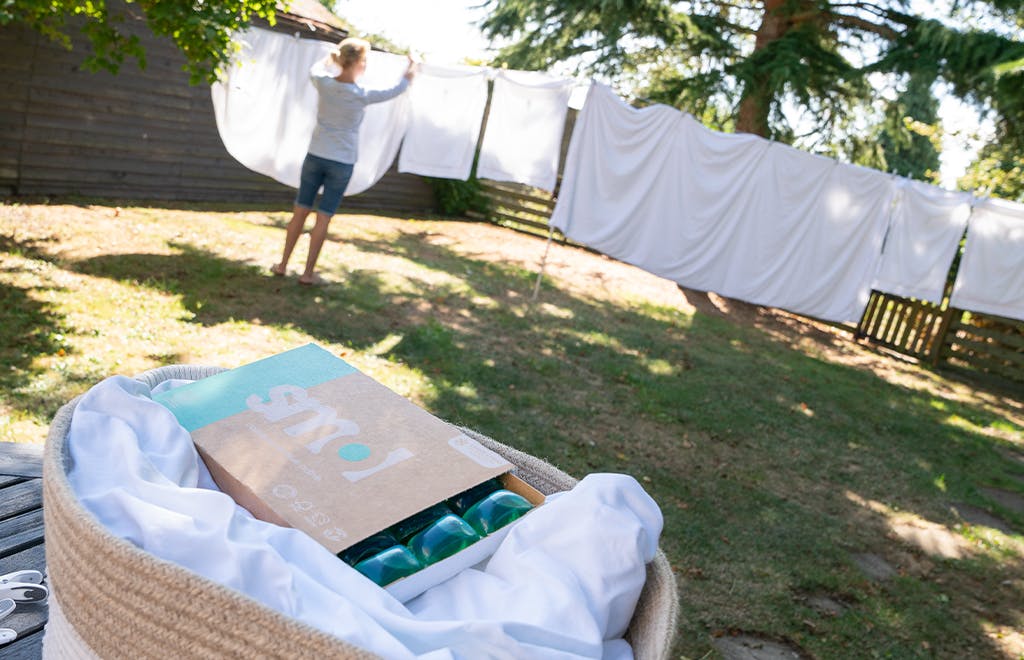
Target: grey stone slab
(873, 566)
(750, 647)
(825, 605)
(1010, 500)
(978, 516)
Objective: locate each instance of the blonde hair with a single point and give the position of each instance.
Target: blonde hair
(350, 51)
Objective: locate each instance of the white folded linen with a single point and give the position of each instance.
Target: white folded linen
(923, 238)
(523, 137)
(562, 584)
(991, 275)
(266, 108)
(734, 214)
(448, 104)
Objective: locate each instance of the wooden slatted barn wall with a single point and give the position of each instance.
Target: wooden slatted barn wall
(141, 134)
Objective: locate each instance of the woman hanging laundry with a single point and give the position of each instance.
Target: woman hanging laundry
(333, 149)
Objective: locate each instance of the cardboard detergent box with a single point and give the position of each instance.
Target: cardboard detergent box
(303, 439)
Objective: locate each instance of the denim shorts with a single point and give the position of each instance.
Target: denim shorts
(330, 174)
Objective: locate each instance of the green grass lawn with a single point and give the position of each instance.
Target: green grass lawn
(780, 456)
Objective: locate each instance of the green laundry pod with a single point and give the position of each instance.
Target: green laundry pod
(368, 546)
(460, 503)
(392, 564)
(495, 511)
(404, 529)
(442, 539)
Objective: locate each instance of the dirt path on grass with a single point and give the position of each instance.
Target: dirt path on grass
(592, 275)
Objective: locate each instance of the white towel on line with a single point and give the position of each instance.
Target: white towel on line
(923, 238)
(522, 139)
(266, 108)
(447, 109)
(812, 232)
(733, 214)
(563, 583)
(991, 275)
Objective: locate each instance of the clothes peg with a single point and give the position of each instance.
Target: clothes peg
(26, 576)
(6, 634)
(24, 592)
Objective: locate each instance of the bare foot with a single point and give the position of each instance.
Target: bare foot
(278, 270)
(312, 280)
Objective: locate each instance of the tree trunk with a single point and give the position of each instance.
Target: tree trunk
(756, 100)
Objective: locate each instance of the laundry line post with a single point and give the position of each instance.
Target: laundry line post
(543, 264)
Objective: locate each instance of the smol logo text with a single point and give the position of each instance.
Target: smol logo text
(289, 400)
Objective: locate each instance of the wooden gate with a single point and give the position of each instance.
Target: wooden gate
(907, 326)
(932, 334)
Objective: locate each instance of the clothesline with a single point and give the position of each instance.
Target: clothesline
(745, 226)
(492, 71)
(266, 111)
(923, 236)
(654, 188)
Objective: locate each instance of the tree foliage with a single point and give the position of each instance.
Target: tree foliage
(998, 170)
(749, 64)
(202, 29)
(909, 136)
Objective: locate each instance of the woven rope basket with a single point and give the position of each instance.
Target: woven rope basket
(109, 599)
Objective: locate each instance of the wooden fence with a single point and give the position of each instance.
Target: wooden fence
(520, 207)
(988, 343)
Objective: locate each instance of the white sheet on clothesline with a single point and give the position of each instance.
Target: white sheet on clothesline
(734, 214)
(266, 108)
(923, 238)
(991, 275)
(447, 109)
(523, 137)
(563, 583)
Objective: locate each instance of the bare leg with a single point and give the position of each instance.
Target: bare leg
(295, 226)
(316, 241)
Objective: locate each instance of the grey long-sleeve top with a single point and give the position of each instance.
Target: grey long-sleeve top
(340, 109)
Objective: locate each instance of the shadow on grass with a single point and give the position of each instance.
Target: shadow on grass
(28, 327)
(754, 450)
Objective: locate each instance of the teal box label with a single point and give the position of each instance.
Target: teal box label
(218, 397)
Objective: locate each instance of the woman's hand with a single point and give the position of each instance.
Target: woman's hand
(410, 72)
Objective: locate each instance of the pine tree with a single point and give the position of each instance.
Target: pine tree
(907, 135)
(740, 62)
